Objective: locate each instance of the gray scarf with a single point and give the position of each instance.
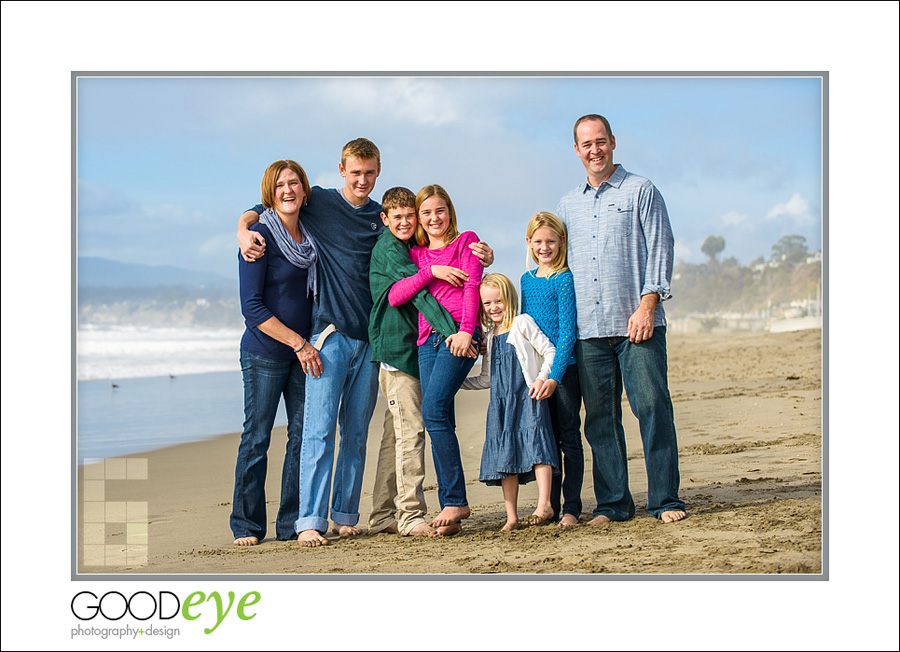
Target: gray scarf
(302, 255)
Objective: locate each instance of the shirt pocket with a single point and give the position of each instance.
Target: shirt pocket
(619, 219)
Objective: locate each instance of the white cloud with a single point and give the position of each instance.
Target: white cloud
(794, 207)
(421, 101)
(733, 218)
(219, 243)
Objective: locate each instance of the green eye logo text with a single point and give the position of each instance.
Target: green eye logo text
(142, 605)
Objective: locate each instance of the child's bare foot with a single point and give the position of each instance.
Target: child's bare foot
(345, 530)
(450, 515)
(510, 525)
(448, 530)
(539, 517)
(422, 530)
(672, 516)
(568, 520)
(311, 539)
(246, 541)
(600, 520)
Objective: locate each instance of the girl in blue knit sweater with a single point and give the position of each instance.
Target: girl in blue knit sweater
(548, 295)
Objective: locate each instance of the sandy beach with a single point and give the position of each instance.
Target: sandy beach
(748, 409)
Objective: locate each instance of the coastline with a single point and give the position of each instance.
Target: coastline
(748, 409)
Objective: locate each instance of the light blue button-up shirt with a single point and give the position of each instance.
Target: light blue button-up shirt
(620, 247)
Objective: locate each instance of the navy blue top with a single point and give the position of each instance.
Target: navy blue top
(273, 287)
(344, 235)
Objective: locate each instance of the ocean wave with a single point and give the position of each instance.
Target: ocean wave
(135, 352)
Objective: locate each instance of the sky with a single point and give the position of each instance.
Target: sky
(531, 156)
(166, 164)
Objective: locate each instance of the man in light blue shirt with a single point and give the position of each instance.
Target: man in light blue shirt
(621, 252)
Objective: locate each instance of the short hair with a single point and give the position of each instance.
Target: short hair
(271, 176)
(397, 197)
(590, 116)
(507, 295)
(362, 149)
(426, 193)
(549, 221)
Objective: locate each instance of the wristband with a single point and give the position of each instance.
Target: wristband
(301, 347)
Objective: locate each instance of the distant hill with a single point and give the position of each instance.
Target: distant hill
(104, 273)
(115, 293)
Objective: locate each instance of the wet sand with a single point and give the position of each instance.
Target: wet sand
(748, 409)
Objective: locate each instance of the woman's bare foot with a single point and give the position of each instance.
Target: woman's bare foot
(600, 520)
(422, 530)
(510, 525)
(567, 520)
(449, 530)
(246, 541)
(311, 539)
(672, 516)
(450, 515)
(345, 530)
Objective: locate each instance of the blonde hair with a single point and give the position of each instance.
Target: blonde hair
(549, 221)
(507, 295)
(422, 196)
(270, 177)
(361, 149)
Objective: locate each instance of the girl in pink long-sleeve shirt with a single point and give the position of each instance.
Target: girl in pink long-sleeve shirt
(452, 274)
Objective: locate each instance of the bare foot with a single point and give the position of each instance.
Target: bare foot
(672, 516)
(568, 520)
(246, 541)
(449, 530)
(600, 520)
(450, 515)
(422, 530)
(311, 539)
(392, 528)
(510, 525)
(345, 530)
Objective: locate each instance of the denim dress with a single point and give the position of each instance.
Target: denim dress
(519, 434)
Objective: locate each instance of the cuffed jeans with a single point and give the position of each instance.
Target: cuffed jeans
(266, 380)
(343, 395)
(565, 416)
(397, 496)
(605, 366)
(442, 374)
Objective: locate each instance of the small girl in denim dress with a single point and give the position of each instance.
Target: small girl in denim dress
(519, 444)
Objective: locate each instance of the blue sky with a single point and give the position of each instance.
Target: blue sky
(166, 164)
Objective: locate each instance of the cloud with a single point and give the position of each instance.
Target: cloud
(420, 101)
(796, 207)
(219, 243)
(733, 218)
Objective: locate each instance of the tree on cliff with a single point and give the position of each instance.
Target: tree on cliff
(790, 249)
(712, 247)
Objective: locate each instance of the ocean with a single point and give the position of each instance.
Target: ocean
(145, 388)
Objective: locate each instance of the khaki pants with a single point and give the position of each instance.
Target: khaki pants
(397, 496)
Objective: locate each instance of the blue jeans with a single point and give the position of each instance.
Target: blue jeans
(605, 366)
(442, 374)
(266, 380)
(565, 416)
(344, 395)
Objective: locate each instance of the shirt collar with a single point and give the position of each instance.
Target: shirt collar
(615, 179)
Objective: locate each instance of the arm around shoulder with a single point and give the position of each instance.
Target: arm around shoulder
(252, 244)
